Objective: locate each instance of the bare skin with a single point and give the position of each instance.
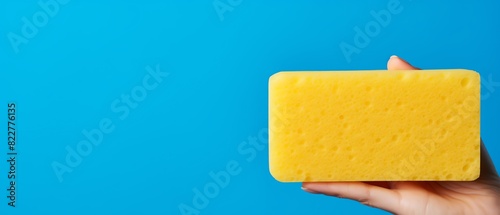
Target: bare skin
(476, 197)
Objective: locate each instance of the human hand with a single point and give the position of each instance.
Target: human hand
(422, 197)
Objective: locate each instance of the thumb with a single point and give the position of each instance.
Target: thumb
(396, 63)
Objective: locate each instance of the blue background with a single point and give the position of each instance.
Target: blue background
(65, 79)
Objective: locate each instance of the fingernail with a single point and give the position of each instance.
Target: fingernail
(309, 190)
(401, 59)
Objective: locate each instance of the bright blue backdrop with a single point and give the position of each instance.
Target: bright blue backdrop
(66, 77)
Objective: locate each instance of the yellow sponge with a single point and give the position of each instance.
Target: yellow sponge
(374, 125)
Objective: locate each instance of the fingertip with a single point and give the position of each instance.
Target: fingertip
(316, 187)
(309, 186)
(397, 63)
(308, 190)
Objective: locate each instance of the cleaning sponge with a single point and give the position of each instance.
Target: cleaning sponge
(374, 125)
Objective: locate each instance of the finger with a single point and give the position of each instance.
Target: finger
(384, 184)
(487, 166)
(370, 195)
(397, 63)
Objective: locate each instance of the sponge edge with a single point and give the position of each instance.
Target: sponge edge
(374, 125)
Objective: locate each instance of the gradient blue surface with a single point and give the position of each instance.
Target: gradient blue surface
(199, 119)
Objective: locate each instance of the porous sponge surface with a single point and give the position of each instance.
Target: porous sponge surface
(374, 125)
